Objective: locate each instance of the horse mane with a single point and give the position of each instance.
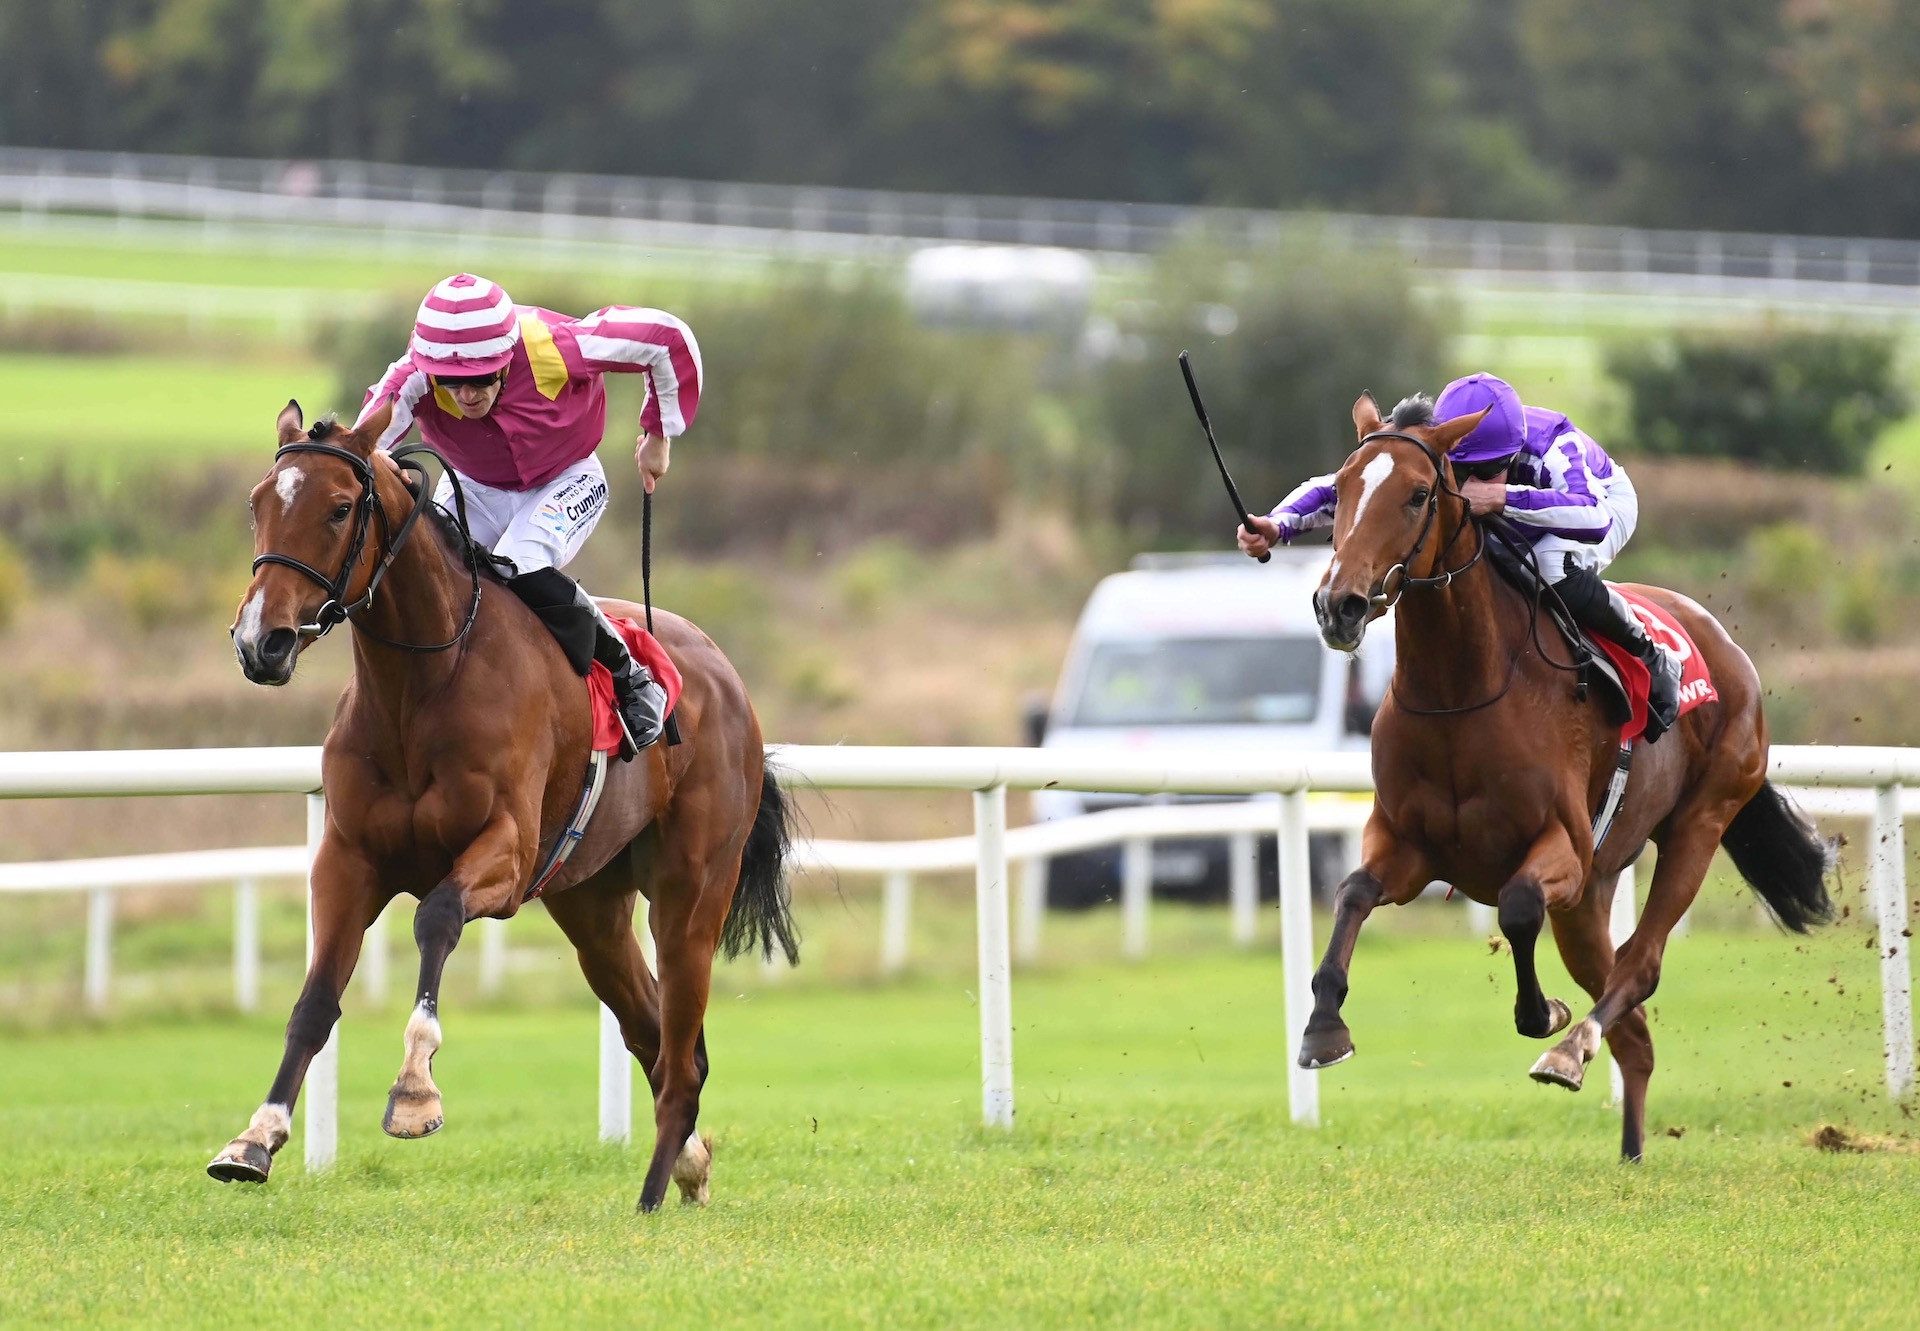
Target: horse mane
(324, 428)
(464, 549)
(1415, 410)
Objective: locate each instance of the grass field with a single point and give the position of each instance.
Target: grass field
(98, 415)
(1153, 1177)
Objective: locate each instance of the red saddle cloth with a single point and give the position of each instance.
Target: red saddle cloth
(648, 652)
(1696, 685)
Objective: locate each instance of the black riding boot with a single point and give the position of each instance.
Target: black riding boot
(1598, 607)
(585, 635)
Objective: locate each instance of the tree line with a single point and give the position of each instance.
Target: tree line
(1793, 115)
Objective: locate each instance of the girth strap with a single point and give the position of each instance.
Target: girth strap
(1616, 789)
(576, 828)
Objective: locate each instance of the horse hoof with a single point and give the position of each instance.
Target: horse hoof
(241, 1162)
(1561, 1017)
(1556, 1068)
(1326, 1047)
(412, 1116)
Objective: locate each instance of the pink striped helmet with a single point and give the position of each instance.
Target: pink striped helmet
(466, 326)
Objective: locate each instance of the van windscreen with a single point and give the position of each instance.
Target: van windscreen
(1201, 682)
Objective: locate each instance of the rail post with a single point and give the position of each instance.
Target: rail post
(98, 983)
(896, 921)
(1619, 925)
(322, 1089)
(1032, 917)
(1243, 888)
(996, 987)
(1888, 880)
(1296, 953)
(1136, 896)
(246, 945)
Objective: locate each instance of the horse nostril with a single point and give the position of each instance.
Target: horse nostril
(1353, 607)
(278, 645)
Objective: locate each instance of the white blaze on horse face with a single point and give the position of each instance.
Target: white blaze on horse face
(247, 628)
(1376, 471)
(287, 485)
(1378, 468)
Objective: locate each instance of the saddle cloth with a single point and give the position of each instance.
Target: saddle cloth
(648, 652)
(1696, 685)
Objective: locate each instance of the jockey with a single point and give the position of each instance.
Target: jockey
(1561, 493)
(512, 397)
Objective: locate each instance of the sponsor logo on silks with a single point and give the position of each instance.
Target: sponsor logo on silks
(572, 503)
(1695, 690)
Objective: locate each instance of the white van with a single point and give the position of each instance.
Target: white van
(1214, 651)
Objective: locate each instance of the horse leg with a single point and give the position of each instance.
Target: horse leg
(346, 901)
(1551, 875)
(1389, 872)
(597, 917)
(689, 910)
(1684, 857)
(1585, 939)
(486, 880)
(1523, 909)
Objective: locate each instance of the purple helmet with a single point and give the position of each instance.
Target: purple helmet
(1502, 434)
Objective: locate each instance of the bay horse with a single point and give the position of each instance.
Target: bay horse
(1488, 769)
(456, 758)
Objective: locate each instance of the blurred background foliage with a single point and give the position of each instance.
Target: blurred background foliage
(1790, 115)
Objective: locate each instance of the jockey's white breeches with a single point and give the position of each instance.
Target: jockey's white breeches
(1560, 556)
(539, 528)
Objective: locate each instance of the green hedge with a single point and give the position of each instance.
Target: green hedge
(1794, 400)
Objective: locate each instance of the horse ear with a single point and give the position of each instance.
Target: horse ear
(1366, 415)
(364, 436)
(289, 424)
(1448, 433)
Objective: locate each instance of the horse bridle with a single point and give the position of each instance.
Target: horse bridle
(1446, 576)
(1385, 600)
(368, 508)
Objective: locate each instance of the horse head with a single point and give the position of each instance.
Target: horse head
(1398, 511)
(314, 548)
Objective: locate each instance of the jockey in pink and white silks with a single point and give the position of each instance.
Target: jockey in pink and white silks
(511, 395)
(1558, 489)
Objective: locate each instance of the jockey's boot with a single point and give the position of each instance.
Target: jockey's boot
(640, 698)
(1599, 607)
(584, 634)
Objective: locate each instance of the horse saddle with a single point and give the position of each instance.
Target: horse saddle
(1596, 673)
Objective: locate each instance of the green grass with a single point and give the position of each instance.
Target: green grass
(99, 414)
(1153, 1177)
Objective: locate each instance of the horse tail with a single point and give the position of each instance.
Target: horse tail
(762, 913)
(1777, 850)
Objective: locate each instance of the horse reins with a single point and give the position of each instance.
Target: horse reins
(336, 608)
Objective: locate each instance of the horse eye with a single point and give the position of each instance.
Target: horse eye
(1419, 498)
(340, 513)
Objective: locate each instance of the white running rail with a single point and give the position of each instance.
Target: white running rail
(990, 773)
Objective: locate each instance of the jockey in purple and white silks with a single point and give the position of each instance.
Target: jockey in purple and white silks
(1557, 488)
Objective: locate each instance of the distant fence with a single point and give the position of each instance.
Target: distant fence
(989, 773)
(654, 211)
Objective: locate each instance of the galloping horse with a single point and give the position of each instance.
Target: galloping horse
(1489, 771)
(457, 756)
